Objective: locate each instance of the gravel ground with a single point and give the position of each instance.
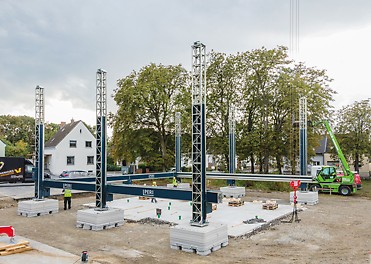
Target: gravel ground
(337, 230)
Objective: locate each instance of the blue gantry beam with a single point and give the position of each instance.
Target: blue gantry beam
(136, 190)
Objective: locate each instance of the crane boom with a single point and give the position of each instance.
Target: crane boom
(344, 163)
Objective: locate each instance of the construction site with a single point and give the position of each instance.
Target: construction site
(131, 219)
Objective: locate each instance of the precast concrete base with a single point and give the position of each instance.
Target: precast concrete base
(181, 185)
(35, 207)
(200, 240)
(233, 191)
(97, 220)
(305, 197)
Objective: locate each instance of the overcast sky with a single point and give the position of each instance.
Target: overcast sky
(59, 44)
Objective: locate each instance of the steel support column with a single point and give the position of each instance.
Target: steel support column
(39, 142)
(303, 135)
(232, 144)
(198, 134)
(178, 136)
(101, 156)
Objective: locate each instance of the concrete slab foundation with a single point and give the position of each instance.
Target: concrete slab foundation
(304, 197)
(180, 212)
(233, 191)
(200, 240)
(95, 220)
(32, 208)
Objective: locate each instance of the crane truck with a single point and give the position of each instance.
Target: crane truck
(326, 178)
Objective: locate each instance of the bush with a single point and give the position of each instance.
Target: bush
(113, 167)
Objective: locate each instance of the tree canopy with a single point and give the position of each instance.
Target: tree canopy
(147, 101)
(264, 85)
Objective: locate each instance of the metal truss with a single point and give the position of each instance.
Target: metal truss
(178, 135)
(39, 141)
(303, 135)
(232, 143)
(101, 157)
(198, 134)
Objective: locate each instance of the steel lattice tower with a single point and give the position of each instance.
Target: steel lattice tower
(198, 134)
(178, 134)
(39, 141)
(101, 157)
(232, 143)
(303, 135)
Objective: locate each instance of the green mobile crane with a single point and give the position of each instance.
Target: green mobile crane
(326, 179)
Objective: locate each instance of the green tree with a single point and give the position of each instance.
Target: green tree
(19, 149)
(18, 132)
(147, 101)
(265, 86)
(222, 86)
(354, 128)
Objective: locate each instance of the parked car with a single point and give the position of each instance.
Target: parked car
(73, 174)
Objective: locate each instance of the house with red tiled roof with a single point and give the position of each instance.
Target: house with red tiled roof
(71, 148)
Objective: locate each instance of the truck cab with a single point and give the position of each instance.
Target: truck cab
(327, 179)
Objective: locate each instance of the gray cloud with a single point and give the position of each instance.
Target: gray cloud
(60, 44)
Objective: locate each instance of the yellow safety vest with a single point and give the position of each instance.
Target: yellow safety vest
(67, 193)
(175, 183)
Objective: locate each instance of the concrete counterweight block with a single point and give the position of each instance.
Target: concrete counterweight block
(200, 240)
(33, 208)
(232, 191)
(96, 220)
(181, 185)
(304, 197)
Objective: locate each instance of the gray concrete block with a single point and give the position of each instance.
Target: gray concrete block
(96, 220)
(33, 208)
(304, 197)
(233, 191)
(199, 240)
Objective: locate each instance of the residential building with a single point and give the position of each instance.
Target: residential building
(325, 157)
(71, 148)
(2, 149)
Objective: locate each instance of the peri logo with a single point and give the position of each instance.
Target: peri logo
(1, 164)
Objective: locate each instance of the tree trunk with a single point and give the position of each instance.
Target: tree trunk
(252, 159)
(356, 163)
(279, 165)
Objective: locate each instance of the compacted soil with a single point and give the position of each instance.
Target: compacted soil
(337, 230)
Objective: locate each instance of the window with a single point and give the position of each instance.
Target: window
(73, 143)
(90, 160)
(88, 144)
(70, 160)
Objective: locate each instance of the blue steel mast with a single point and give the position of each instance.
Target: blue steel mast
(101, 156)
(198, 134)
(39, 141)
(178, 135)
(232, 144)
(303, 135)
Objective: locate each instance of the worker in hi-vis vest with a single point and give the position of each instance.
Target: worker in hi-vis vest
(175, 182)
(154, 200)
(67, 198)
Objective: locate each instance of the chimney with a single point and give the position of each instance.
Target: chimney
(62, 124)
(72, 120)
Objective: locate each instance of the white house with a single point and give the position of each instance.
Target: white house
(2, 149)
(71, 148)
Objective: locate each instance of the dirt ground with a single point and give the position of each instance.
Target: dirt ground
(337, 230)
